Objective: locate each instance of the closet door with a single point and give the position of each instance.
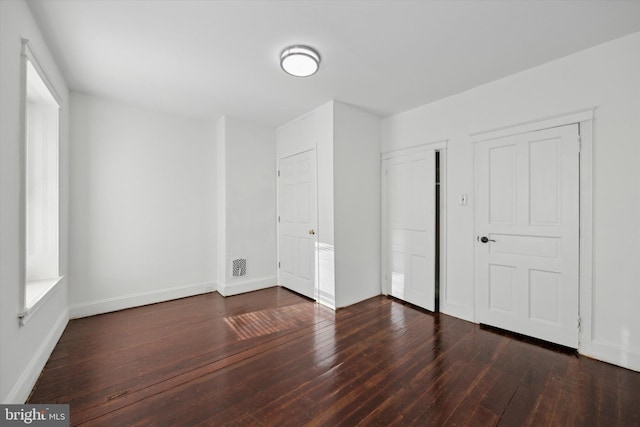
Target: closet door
(408, 229)
(297, 223)
(527, 220)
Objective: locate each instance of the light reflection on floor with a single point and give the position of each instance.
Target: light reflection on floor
(324, 338)
(269, 321)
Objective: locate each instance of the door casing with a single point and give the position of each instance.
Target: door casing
(441, 147)
(584, 118)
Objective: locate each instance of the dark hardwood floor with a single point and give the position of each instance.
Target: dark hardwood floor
(274, 358)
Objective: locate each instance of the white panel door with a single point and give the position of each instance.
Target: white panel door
(527, 221)
(409, 227)
(297, 226)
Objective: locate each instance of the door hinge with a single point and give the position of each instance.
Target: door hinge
(278, 173)
(579, 144)
(278, 218)
(579, 322)
(278, 265)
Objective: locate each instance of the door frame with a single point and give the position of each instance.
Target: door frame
(584, 119)
(316, 289)
(439, 146)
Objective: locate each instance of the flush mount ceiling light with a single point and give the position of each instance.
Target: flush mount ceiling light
(300, 61)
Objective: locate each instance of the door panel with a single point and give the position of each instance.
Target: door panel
(528, 208)
(409, 228)
(305, 263)
(544, 182)
(297, 211)
(502, 179)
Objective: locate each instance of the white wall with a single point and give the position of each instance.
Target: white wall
(24, 350)
(347, 143)
(142, 206)
(605, 77)
(248, 154)
(314, 130)
(221, 207)
(356, 165)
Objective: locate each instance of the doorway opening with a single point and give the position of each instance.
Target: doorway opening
(414, 224)
(437, 235)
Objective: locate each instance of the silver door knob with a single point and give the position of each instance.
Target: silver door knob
(312, 231)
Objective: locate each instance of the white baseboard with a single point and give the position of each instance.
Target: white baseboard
(611, 353)
(240, 287)
(327, 299)
(352, 301)
(22, 388)
(464, 313)
(136, 300)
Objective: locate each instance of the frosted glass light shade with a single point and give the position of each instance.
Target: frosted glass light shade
(300, 61)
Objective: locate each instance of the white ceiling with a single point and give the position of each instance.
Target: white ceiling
(206, 58)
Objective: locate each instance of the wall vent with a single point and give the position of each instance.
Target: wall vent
(239, 267)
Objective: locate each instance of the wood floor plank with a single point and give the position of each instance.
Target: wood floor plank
(356, 324)
(389, 386)
(314, 387)
(175, 381)
(273, 358)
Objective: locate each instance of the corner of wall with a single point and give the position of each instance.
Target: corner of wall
(239, 287)
(356, 171)
(23, 386)
(246, 204)
(221, 235)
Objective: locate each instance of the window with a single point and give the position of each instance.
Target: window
(41, 185)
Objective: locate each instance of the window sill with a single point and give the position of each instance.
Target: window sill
(37, 293)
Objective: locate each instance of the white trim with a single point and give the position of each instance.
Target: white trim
(277, 215)
(107, 305)
(328, 300)
(286, 156)
(443, 305)
(474, 192)
(22, 192)
(22, 388)
(436, 145)
(584, 118)
(29, 53)
(48, 288)
(598, 349)
(229, 289)
(385, 286)
(586, 236)
(612, 353)
(562, 119)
